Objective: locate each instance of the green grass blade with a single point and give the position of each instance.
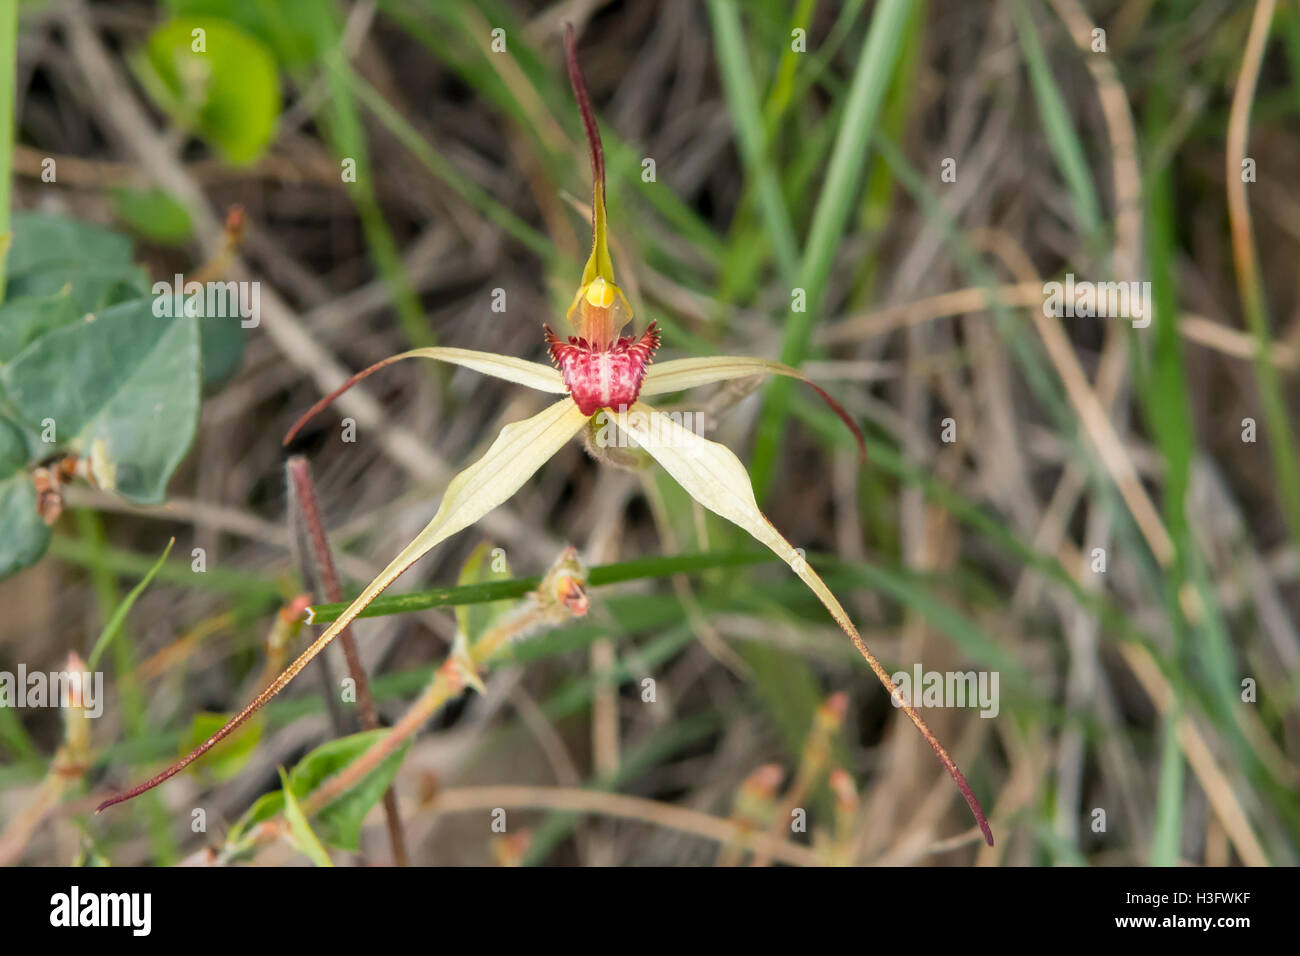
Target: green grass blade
(835, 203)
(114, 624)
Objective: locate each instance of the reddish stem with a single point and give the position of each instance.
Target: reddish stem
(328, 400)
(584, 107)
(300, 473)
(838, 409)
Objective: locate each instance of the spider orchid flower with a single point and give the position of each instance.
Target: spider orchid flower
(598, 370)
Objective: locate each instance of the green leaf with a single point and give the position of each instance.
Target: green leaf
(338, 824)
(291, 28)
(1059, 126)
(134, 407)
(222, 347)
(303, 837)
(871, 77)
(481, 566)
(217, 80)
(41, 241)
(89, 856)
(153, 214)
(52, 258)
(232, 756)
(23, 321)
(265, 807)
(89, 287)
(23, 534)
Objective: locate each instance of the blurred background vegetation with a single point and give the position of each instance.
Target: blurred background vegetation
(758, 152)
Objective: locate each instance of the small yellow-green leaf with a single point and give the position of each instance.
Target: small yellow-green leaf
(153, 214)
(304, 839)
(483, 565)
(228, 760)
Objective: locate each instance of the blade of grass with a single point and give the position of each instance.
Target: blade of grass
(1167, 839)
(341, 120)
(1059, 127)
(1286, 459)
(742, 100)
(870, 80)
(442, 169)
(255, 588)
(127, 684)
(123, 608)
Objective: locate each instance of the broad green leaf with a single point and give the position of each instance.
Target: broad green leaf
(222, 343)
(153, 214)
(303, 838)
(23, 321)
(55, 257)
(23, 534)
(217, 80)
(41, 241)
(339, 823)
(90, 287)
(134, 406)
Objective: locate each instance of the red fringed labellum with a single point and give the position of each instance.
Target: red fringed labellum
(603, 377)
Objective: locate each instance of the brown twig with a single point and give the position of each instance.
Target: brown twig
(305, 491)
(629, 808)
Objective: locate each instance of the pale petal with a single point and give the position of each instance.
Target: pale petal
(677, 375)
(680, 374)
(514, 457)
(521, 372)
(544, 378)
(715, 477)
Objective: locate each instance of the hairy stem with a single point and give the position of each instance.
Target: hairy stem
(305, 491)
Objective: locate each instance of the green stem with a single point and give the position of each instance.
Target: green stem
(518, 587)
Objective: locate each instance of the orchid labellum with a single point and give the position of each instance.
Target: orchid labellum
(597, 370)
